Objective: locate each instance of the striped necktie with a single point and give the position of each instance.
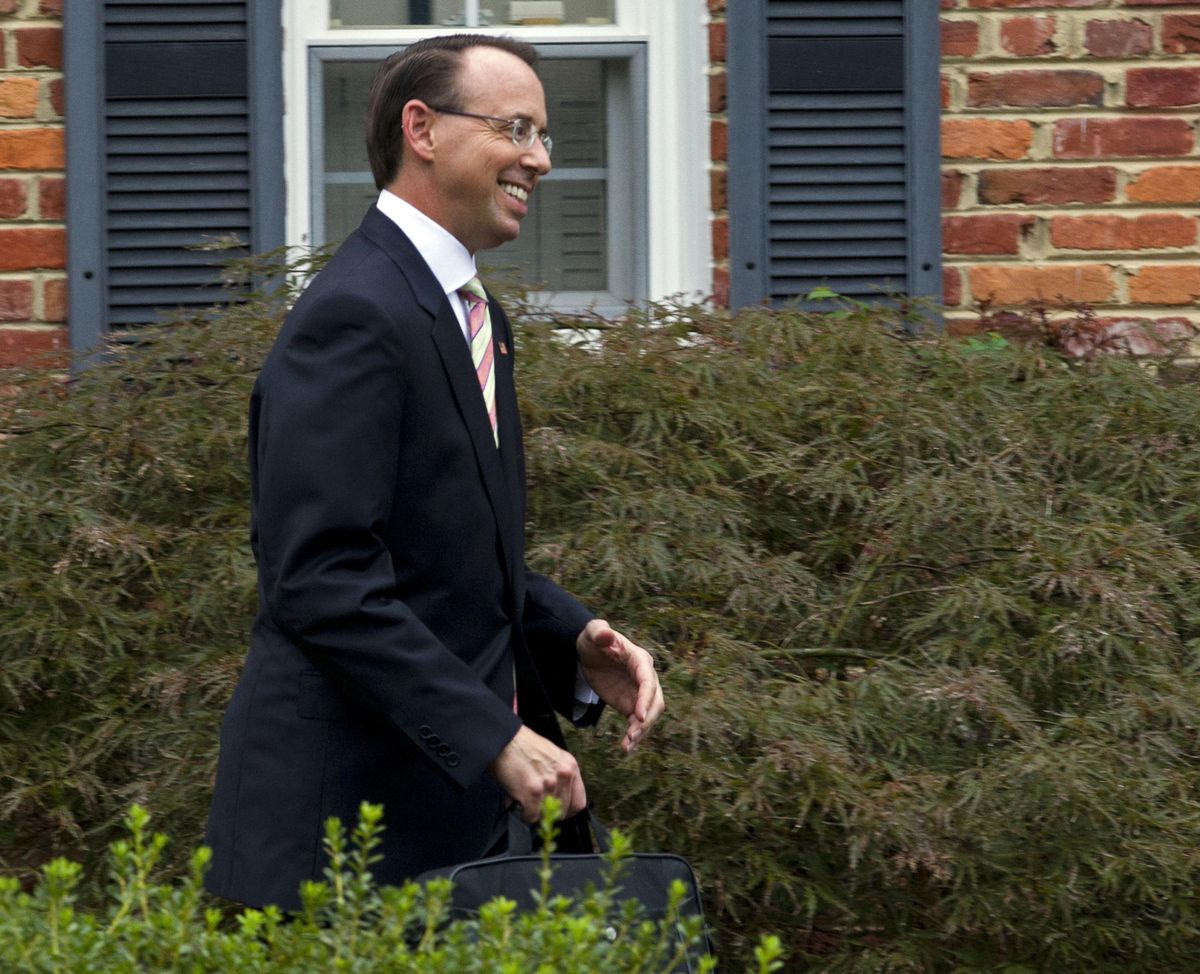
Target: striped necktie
(479, 327)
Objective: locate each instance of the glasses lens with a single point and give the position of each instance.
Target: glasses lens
(548, 143)
(522, 132)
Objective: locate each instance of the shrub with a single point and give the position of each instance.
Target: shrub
(347, 924)
(927, 614)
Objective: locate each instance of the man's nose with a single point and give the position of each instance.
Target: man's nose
(536, 159)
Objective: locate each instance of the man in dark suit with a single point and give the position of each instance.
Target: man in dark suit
(397, 618)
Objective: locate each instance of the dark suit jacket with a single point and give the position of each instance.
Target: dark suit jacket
(394, 598)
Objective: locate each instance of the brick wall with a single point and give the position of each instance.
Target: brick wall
(719, 136)
(1069, 136)
(32, 189)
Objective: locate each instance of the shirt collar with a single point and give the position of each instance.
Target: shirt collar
(452, 264)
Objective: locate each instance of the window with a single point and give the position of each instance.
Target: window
(583, 242)
(465, 13)
(623, 215)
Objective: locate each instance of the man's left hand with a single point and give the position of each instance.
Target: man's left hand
(622, 673)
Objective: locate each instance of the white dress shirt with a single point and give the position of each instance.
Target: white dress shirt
(453, 266)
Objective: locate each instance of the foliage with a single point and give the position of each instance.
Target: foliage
(927, 614)
(348, 924)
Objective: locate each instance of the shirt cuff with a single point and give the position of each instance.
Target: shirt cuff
(585, 696)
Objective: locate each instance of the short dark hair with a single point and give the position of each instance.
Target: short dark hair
(427, 70)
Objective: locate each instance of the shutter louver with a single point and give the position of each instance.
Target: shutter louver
(177, 153)
(835, 148)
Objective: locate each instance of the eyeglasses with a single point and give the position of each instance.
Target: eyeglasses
(522, 131)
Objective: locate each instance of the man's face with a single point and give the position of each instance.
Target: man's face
(484, 181)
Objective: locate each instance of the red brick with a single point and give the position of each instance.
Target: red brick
(1181, 33)
(1166, 184)
(945, 85)
(1092, 138)
(963, 327)
(720, 238)
(1117, 38)
(951, 286)
(1015, 4)
(18, 97)
(16, 300)
(985, 138)
(1162, 87)
(7, 7)
(1159, 3)
(960, 38)
(32, 248)
(721, 287)
(952, 181)
(948, 4)
(51, 8)
(1055, 185)
(52, 198)
(716, 92)
(1016, 283)
(718, 141)
(22, 346)
(31, 149)
(718, 190)
(716, 7)
(39, 47)
(54, 300)
(1034, 89)
(1107, 232)
(716, 42)
(14, 198)
(56, 96)
(1166, 284)
(994, 233)
(1029, 36)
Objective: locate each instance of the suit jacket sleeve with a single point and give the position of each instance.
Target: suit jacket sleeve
(325, 430)
(553, 621)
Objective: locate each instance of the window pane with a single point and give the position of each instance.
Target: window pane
(346, 86)
(453, 13)
(393, 13)
(563, 244)
(345, 206)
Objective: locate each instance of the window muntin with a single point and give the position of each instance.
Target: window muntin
(583, 241)
(469, 13)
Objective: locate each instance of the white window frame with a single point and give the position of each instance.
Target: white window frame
(677, 193)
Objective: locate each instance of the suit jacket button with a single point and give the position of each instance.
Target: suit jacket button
(452, 760)
(444, 750)
(424, 732)
(433, 741)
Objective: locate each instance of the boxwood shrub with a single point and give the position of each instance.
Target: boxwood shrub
(347, 923)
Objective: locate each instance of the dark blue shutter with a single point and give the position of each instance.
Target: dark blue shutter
(176, 107)
(833, 161)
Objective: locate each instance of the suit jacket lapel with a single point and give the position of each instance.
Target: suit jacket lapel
(460, 372)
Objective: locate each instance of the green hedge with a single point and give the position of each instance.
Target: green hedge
(347, 924)
(927, 614)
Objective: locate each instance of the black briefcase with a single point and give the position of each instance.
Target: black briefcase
(513, 872)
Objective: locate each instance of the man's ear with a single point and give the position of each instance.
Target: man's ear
(418, 120)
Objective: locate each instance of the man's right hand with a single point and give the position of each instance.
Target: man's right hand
(531, 767)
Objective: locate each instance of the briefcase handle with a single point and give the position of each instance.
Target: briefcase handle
(513, 836)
